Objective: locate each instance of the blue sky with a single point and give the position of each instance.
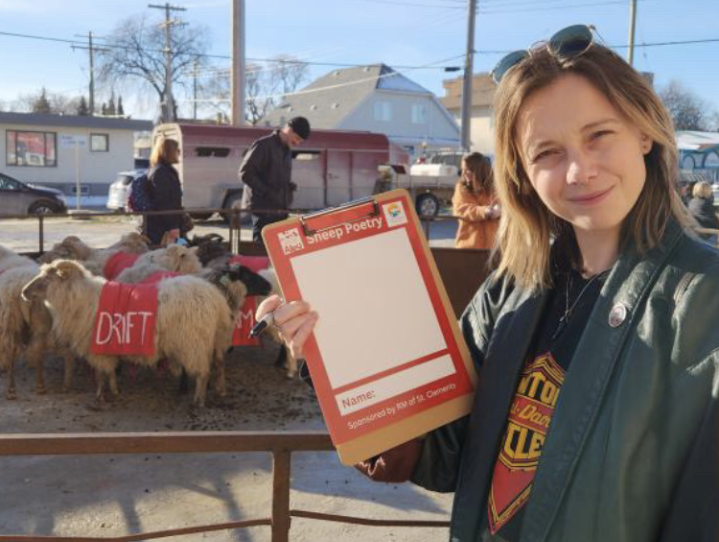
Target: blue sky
(397, 32)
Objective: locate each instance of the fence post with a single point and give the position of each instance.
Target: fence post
(281, 462)
(41, 240)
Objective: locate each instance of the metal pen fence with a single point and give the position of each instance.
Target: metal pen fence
(236, 219)
(280, 445)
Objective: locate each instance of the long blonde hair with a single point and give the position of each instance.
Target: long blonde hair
(527, 226)
(163, 152)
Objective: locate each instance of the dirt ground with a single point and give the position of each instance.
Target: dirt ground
(118, 495)
(105, 496)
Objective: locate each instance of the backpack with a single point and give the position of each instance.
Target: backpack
(139, 200)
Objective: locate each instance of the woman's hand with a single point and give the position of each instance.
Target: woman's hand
(294, 321)
(493, 212)
(172, 236)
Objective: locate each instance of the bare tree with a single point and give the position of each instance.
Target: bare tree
(136, 51)
(265, 85)
(688, 110)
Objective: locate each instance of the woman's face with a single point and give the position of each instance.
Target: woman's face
(466, 174)
(585, 161)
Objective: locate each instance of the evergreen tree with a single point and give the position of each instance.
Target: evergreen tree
(111, 106)
(104, 109)
(120, 109)
(42, 104)
(82, 109)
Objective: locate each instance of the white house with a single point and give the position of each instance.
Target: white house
(60, 150)
(373, 98)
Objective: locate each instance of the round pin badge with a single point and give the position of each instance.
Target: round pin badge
(617, 315)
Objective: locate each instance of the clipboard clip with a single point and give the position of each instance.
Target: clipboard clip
(374, 211)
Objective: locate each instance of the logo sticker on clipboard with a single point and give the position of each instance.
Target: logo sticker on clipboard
(394, 214)
(291, 241)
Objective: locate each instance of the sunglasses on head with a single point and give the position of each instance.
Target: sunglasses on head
(568, 43)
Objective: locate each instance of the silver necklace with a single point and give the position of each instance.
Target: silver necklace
(564, 320)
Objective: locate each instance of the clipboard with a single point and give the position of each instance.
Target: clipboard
(387, 359)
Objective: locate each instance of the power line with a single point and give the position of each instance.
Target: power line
(227, 57)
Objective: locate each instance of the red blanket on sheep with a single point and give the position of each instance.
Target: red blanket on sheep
(246, 318)
(125, 320)
(117, 263)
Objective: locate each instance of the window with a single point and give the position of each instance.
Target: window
(8, 184)
(419, 113)
(31, 149)
(217, 152)
(99, 143)
(383, 111)
(305, 155)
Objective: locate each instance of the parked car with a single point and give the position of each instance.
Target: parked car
(120, 189)
(18, 198)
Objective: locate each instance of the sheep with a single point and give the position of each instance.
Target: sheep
(215, 256)
(175, 258)
(284, 357)
(72, 248)
(193, 325)
(212, 251)
(26, 327)
(235, 282)
(10, 260)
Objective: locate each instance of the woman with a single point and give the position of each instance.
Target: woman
(701, 206)
(164, 192)
(596, 415)
(474, 203)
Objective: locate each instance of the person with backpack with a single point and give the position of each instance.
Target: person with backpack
(164, 193)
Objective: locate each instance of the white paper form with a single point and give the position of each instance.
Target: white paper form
(365, 330)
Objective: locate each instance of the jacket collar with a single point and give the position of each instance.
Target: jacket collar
(596, 358)
(507, 353)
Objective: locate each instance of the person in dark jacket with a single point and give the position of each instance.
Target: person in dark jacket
(164, 192)
(702, 208)
(266, 172)
(596, 415)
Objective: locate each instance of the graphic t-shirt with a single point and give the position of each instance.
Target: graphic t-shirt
(531, 411)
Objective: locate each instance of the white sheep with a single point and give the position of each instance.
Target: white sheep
(193, 326)
(25, 327)
(175, 258)
(10, 259)
(72, 248)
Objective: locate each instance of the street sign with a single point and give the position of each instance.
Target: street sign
(69, 141)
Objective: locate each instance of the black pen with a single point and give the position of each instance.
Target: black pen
(266, 321)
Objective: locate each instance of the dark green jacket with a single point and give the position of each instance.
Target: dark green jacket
(632, 450)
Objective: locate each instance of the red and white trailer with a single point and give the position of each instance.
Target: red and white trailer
(330, 168)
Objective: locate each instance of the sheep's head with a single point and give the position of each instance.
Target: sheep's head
(179, 259)
(58, 273)
(256, 285)
(210, 249)
(73, 248)
(237, 282)
(70, 248)
(134, 243)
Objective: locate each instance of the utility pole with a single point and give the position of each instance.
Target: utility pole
(468, 77)
(632, 28)
(91, 50)
(237, 75)
(194, 90)
(168, 24)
